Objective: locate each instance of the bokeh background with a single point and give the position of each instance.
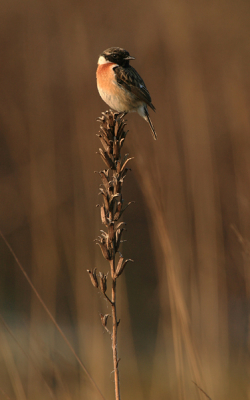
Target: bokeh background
(184, 302)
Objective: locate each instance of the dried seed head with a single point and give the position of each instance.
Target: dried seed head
(112, 125)
(93, 277)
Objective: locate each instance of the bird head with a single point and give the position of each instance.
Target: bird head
(115, 55)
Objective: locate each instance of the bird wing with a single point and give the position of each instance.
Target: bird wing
(129, 79)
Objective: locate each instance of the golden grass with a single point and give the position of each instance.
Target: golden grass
(189, 319)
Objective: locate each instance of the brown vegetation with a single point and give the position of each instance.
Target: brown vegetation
(185, 303)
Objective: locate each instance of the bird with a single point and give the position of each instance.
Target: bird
(120, 85)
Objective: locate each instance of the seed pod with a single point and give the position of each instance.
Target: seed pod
(104, 319)
(103, 282)
(103, 215)
(106, 159)
(120, 266)
(93, 277)
(104, 250)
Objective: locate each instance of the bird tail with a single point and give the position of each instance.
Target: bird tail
(147, 118)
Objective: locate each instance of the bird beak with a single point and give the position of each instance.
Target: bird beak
(129, 58)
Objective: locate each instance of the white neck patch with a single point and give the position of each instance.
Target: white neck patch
(102, 60)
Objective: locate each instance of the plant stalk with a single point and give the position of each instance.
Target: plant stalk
(114, 341)
(112, 136)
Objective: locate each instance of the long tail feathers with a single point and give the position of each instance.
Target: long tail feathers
(147, 118)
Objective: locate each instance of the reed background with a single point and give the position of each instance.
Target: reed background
(184, 303)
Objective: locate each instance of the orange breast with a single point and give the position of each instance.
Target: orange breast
(105, 76)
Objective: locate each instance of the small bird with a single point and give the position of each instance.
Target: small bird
(120, 85)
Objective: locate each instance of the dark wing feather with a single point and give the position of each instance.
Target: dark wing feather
(130, 79)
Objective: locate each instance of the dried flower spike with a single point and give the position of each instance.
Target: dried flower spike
(112, 135)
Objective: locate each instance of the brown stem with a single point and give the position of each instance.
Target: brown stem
(114, 334)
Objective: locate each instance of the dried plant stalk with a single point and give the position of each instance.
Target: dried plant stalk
(112, 135)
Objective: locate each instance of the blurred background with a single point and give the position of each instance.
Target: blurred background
(184, 302)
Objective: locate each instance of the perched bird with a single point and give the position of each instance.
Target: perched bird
(120, 85)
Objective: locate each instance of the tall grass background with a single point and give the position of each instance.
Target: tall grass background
(184, 303)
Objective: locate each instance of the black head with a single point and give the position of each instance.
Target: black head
(117, 55)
